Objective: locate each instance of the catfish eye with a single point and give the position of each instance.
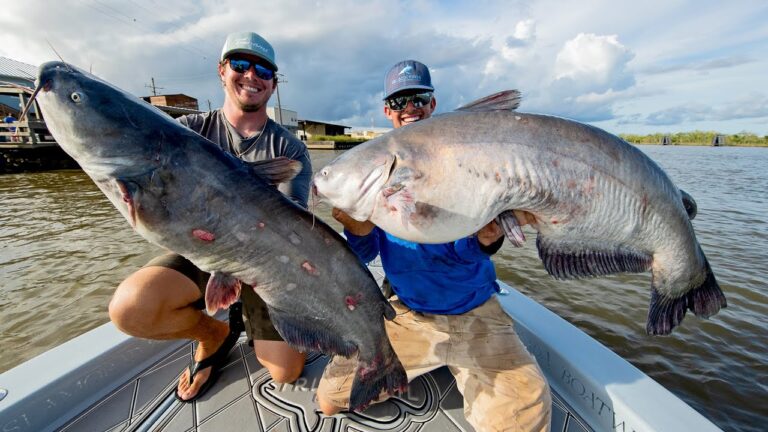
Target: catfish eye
(76, 97)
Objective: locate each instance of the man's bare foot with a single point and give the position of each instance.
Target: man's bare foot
(205, 349)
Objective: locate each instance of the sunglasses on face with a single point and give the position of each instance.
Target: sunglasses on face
(399, 103)
(242, 65)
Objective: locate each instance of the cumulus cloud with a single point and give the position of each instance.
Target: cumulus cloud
(590, 73)
(598, 64)
(524, 34)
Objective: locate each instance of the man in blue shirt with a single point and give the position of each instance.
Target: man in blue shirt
(443, 294)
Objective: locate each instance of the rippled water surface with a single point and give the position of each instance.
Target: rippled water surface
(64, 248)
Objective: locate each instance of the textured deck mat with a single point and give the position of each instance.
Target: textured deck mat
(246, 399)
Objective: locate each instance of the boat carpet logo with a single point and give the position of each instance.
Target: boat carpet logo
(431, 403)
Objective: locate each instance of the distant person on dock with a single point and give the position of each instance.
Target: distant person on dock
(447, 314)
(10, 119)
(165, 298)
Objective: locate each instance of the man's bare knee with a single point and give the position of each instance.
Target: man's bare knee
(128, 313)
(143, 301)
(285, 375)
(284, 363)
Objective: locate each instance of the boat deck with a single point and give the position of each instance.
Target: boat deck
(105, 380)
(246, 398)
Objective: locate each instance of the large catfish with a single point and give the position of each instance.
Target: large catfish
(180, 191)
(600, 205)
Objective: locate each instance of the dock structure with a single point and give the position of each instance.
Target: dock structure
(26, 144)
(28, 132)
(331, 145)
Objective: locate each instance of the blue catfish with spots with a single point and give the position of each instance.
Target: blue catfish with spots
(599, 205)
(182, 192)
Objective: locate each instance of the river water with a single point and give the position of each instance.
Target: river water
(64, 248)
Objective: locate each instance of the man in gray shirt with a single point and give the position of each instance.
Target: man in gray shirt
(164, 299)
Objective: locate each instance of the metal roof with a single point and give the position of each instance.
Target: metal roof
(322, 122)
(17, 69)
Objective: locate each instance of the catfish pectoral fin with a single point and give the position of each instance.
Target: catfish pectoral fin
(222, 290)
(277, 170)
(511, 226)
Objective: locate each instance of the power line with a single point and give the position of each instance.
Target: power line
(131, 21)
(153, 87)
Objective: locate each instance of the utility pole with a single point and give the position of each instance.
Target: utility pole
(154, 87)
(279, 106)
(209, 105)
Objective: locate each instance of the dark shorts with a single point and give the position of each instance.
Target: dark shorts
(257, 323)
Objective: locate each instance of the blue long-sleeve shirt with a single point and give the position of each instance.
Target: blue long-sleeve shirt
(448, 278)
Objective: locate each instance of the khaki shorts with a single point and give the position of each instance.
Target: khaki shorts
(257, 323)
(502, 385)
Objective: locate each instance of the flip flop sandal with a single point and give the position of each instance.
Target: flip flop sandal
(218, 359)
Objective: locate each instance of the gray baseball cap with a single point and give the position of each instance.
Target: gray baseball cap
(407, 75)
(249, 43)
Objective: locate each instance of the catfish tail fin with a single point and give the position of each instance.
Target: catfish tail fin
(383, 373)
(704, 300)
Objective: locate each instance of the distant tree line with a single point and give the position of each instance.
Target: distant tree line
(698, 138)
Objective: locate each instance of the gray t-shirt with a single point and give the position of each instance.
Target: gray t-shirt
(274, 141)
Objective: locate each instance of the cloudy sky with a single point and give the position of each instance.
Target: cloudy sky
(624, 65)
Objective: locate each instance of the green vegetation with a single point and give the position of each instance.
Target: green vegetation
(695, 138)
(338, 138)
(702, 138)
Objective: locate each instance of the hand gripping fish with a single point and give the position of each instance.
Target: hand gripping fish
(182, 192)
(600, 205)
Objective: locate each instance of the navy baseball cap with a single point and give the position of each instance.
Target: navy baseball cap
(407, 75)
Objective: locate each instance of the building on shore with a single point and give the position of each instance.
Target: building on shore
(17, 73)
(368, 133)
(175, 105)
(286, 118)
(310, 128)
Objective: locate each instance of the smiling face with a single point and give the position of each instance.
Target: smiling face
(410, 114)
(245, 90)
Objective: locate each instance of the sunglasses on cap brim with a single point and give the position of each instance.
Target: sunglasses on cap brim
(241, 66)
(398, 103)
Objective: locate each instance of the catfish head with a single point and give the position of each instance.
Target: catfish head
(353, 181)
(109, 132)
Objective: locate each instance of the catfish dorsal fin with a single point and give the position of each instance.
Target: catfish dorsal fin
(507, 100)
(277, 170)
(690, 204)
